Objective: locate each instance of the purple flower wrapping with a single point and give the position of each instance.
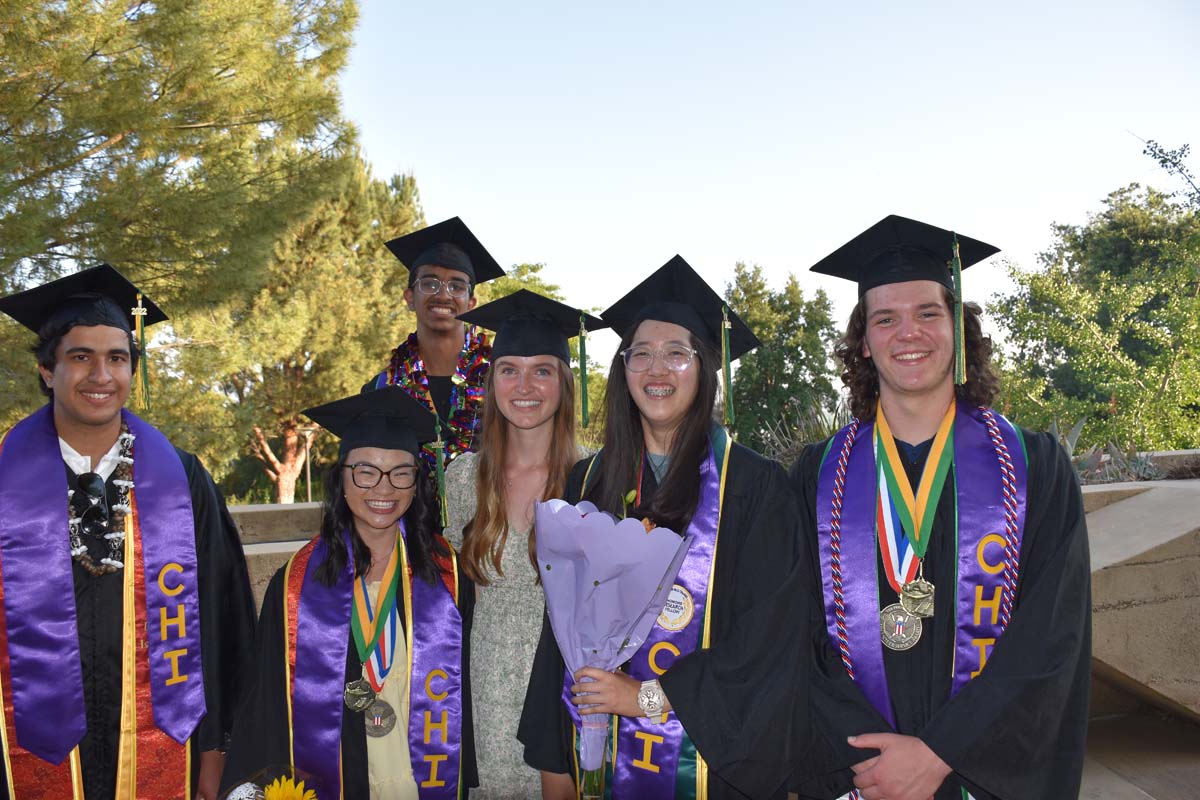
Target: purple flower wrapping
(606, 581)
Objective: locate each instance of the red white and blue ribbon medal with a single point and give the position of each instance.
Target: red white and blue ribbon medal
(904, 522)
(375, 628)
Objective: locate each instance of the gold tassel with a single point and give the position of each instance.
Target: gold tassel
(141, 381)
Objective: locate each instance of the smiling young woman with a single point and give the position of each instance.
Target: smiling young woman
(362, 621)
(667, 461)
(526, 449)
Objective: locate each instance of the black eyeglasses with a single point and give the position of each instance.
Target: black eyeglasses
(454, 287)
(90, 503)
(368, 476)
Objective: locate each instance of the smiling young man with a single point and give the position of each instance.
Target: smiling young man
(444, 362)
(126, 685)
(952, 550)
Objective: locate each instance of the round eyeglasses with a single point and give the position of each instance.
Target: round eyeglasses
(367, 476)
(676, 358)
(454, 287)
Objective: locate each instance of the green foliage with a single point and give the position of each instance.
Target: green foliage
(1104, 464)
(518, 276)
(175, 139)
(323, 324)
(791, 370)
(1109, 327)
(799, 425)
(1173, 161)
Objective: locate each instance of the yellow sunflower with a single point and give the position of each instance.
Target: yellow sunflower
(287, 789)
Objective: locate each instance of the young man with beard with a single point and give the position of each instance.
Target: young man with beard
(444, 362)
(124, 686)
(952, 553)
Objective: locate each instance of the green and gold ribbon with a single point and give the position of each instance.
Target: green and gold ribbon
(916, 511)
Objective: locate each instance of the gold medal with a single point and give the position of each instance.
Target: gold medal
(358, 695)
(899, 629)
(916, 598)
(380, 718)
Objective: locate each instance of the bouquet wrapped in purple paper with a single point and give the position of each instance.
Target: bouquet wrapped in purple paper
(606, 581)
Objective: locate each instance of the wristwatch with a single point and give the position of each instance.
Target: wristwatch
(651, 699)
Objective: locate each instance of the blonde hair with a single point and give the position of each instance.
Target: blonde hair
(486, 534)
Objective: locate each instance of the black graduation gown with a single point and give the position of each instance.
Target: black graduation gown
(260, 739)
(1015, 732)
(757, 547)
(226, 633)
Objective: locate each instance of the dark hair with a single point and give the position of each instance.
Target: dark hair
(675, 500)
(862, 379)
(422, 520)
(102, 311)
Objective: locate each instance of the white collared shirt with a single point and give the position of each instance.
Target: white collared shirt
(80, 464)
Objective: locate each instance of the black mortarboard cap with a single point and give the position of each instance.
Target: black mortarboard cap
(448, 244)
(528, 324)
(676, 293)
(389, 418)
(897, 250)
(99, 292)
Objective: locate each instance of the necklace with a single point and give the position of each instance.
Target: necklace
(115, 537)
(407, 369)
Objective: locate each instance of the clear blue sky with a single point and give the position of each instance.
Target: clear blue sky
(603, 138)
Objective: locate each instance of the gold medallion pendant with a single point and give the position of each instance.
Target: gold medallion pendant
(358, 695)
(917, 597)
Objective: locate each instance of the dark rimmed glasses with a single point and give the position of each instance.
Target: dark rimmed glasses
(454, 287)
(674, 357)
(90, 503)
(368, 476)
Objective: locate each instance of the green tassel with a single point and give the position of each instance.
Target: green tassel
(727, 368)
(583, 394)
(439, 462)
(960, 354)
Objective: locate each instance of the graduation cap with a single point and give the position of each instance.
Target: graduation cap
(448, 244)
(897, 250)
(388, 418)
(101, 290)
(100, 295)
(676, 293)
(528, 324)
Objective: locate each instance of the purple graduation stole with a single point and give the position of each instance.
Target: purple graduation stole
(991, 486)
(42, 631)
(435, 716)
(316, 638)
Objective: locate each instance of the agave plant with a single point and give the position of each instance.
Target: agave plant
(1107, 463)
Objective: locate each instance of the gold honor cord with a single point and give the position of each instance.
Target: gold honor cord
(917, 511)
